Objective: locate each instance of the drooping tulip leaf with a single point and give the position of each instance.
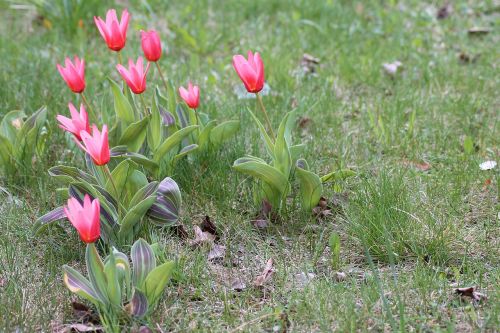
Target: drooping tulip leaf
(122, 152)
(156, 281)
(264, 172)
(143, 262)
(123, 108)
(311, 186)
(186, 150)
(43, 221)
(168, 202)
(224, 131)
(133, 136)
(338, 175)
(68, 174)
(79, 285)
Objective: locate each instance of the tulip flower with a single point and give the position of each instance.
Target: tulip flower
(96, 145)
(135, 76)
(78, 122)
(85, 218)
(191, 95)
(113, 31)
(73, 74)
(250, 71)
(151, 45)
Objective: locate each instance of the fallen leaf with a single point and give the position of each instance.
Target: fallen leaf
(322, 210)
(208, 226)
(488, 165)
(309, 63)
(238, 285)
(217, 252)
(265, 216)
(201, 237)
(85, 328)
(340, 276)
(392, 68)
(422, 166)
(472, 293)
(444, 11)
(266, 275)
(478, 31)
(466, 58)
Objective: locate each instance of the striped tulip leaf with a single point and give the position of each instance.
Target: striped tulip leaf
(79, 285)
(68, 174)
(52, 216)
(168, 202)
(113, 287)
(95, 269)
(186, 150)
(157, 280)
(134, 217)
(143, 262)
(138, 305)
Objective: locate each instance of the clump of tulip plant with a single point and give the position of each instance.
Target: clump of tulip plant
(274, 179)
(119, 291)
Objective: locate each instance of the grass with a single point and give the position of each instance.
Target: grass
(407, 234)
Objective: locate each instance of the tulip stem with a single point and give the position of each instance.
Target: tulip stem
(120, 61)
(261, 104)
(161, 76)
(143, 101)
(89, 107)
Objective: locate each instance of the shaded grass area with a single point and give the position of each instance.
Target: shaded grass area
(407, 235)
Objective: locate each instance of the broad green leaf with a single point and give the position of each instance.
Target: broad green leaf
(134, 216)
(10, 124)
(68, 174)
(173, 142)
(338, 175)
(122, 152)
(282, 160)
(123, 108)
(143, 262)
(204, 137)
(168, 202)
(263, 134)
(79, 285)
(148, 190)
(134, 134)
(5, 152)
(123, 271)
(264, 172)
(311, 187)
(127, 179)
(186, 150)
(156, 281)
(95, 269)
(224, 131)
(296, 151)
(113, 289)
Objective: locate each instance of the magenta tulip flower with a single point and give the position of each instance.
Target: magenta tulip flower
(78, 122)
(135, 75)
(113, 31)
(151, 45)
(96, 145)
(85, 218)
(250, 71)
(73, 74)
(191, 95)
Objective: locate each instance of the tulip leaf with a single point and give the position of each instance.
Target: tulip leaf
(27, 137)
(173, 141)
(143, 262)
(5, 152)
(282, 160)
(143, 193)
(154, 135)
(138, 305)
(168, 202)
(338, 175)
(156, 281)
(95, 269)
(127, 179)
(79, 285)
(296, 151)
(7, 128)
(68, 174)
(264, 172)
(263, 134)
(123, 271)
(122, 152)
(186, 150)
(52, 216)
(311, 187)
(134, 216)
(224, 131)
(204, 137)
(113, 285)
(134, 134)
(123, 108)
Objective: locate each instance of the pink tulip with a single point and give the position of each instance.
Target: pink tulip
(191, 95)
(151, 45)
(85, 219)
(135, 76)
(78, 122)
(73, 74)
(113, 31)
(96, 145)
(250, 71)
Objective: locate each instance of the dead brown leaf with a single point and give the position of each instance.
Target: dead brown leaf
(266, 275)
(478, 31)
(444, 11)
(82, 313)
(238, 285)
(208, 226)
(217, 252)
(265, 216)
(201, 237)
(309, 63)
(472, 293)
(180, 231)
(322, 210)
(422, 166)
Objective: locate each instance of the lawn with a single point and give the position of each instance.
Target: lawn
(418, 217)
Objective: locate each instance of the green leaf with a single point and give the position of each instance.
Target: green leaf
(157, 280)
(282, 159)
(334, 243)
(224, 131)
(338, 175)
(173, 142)
(123, 271)
(27, 137)
(264, 172)
(155, 125)
(143, 262)
(123, 108)
(68, 174)
(134, 216)
(143, 193)
(113, 289)
(7, 128)
(52, 216)
(122, 152)
(311, 187)
(5, 152)
(468, 145)
(186, 150)
(134, 134)
(95, 269)
(79, 285)
(296, 151)
(204, 137)
(263, 134)
(127, 179)
(168, 202)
